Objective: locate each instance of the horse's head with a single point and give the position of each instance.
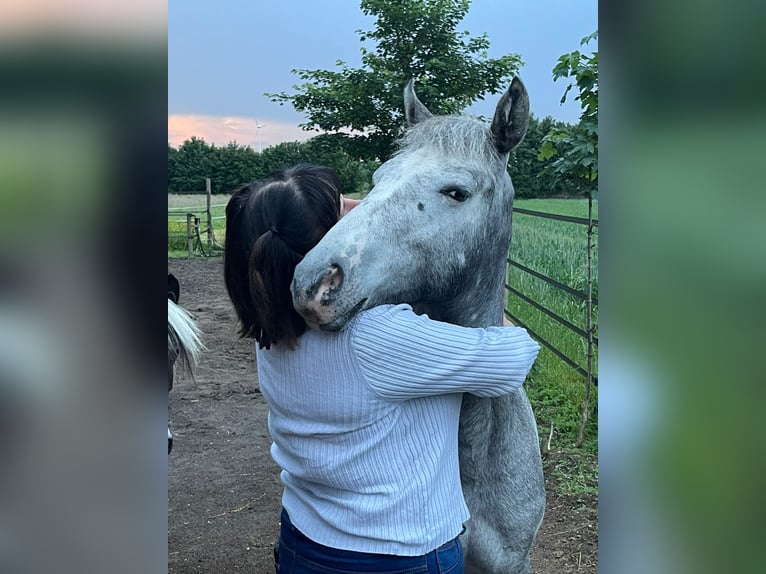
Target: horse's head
(433, 231)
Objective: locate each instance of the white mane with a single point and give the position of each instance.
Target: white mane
(183, 334)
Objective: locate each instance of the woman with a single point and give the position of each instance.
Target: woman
(364, 422)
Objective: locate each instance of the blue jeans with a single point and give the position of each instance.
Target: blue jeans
(297, 554)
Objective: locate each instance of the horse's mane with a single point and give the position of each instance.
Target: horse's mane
(183, 334)
(453, 135)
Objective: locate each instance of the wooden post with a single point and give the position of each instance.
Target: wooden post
(589, 327)
(189, 234)
(209, 215)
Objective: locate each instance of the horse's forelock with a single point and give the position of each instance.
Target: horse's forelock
(452, 136)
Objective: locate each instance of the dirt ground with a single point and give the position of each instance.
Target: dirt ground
(224, 489)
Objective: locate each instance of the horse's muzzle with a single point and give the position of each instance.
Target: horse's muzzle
(316, 301)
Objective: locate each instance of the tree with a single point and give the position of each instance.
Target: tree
(227, 167)
(233, 166)
(173, 170)
(531, 175)
(330, 150)
(577, 148)
(189, 166)
(324, 149)
(413, 39)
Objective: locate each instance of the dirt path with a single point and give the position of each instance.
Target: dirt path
(224, 489)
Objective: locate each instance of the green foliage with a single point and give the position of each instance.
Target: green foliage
(413, 39)
(331, 149)
(177, 241)
(531, 175)
(325, 149)
(575, 472)
(194, 160)
(577, 148)
(189, 165)
(233, 165)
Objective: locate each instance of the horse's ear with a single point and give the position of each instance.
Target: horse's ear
(414, 110)
(511, 117)
(174, 288)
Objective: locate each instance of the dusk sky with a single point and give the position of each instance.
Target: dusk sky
(223, 56)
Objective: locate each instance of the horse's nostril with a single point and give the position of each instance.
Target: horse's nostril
(329, 284)
(334, 277)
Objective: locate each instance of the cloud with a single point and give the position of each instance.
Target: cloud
(221, 130)
(91, 18)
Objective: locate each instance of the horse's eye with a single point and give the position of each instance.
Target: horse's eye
(456, 193)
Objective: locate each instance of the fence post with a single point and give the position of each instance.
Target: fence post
(588, 325)
(189, 235)
(209, 215)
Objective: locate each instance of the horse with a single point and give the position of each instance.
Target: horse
(434, 232)
(184, 338)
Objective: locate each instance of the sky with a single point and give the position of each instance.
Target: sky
(223, 56)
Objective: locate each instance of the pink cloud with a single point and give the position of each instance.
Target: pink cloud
(221, 130)
(86, 17)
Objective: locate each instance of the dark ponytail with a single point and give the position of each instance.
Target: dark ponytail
(270, 225)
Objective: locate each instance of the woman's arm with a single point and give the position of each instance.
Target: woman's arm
(404, 355)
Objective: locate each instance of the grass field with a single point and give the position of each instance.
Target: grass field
(181, 204)
(554, 248)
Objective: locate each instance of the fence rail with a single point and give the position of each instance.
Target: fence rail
(587, 296)
(200, 209)
(558, 216)
(548, 345)
(551, 281)
(193, 216)
(553, 315)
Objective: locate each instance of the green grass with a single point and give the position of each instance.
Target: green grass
(179, 205)
(556, 249)
(575, 472)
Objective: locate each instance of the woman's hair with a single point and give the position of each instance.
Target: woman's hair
(270, 225)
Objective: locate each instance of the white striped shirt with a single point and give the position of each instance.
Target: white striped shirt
(365, 424)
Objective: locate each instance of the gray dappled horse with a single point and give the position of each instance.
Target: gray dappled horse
(434, 232)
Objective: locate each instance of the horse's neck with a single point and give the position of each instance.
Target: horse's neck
(478, 304)
(483, 417)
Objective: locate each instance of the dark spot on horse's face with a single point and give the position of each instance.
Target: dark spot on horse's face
(421, 207)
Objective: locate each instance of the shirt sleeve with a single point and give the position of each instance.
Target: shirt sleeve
(404, 355)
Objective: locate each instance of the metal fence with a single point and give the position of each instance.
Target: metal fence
(587, 371)
(186, 222)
